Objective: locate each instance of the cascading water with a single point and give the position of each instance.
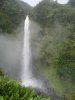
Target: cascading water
(28, 80)
(26, 71)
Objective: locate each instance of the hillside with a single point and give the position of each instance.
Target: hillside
(12, 90)
(55, 46)
(12, 13)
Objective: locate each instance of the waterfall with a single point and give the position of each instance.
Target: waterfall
(26, 71)
(28, 79)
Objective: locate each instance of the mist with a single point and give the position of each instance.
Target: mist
(11, 47)
(10, 55)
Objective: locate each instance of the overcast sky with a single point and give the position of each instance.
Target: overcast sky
(34, 2)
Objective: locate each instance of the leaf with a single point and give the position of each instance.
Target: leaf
(1, 98)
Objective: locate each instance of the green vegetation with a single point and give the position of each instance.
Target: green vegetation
(1, 72)
(12, 13)
(12, 90)
(72, 3)
(54, 45)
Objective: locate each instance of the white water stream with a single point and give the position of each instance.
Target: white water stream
(28, 80)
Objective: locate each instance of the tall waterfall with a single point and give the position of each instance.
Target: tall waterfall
(28, 78)
(26, 71)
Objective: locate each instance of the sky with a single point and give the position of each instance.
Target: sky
(34, 2)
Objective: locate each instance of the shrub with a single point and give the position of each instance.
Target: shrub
(11, 90)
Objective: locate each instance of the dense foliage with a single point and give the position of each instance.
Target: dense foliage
(11, 90)
(56, 45)
(57, 20)
(12, 13)
(72, 3)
